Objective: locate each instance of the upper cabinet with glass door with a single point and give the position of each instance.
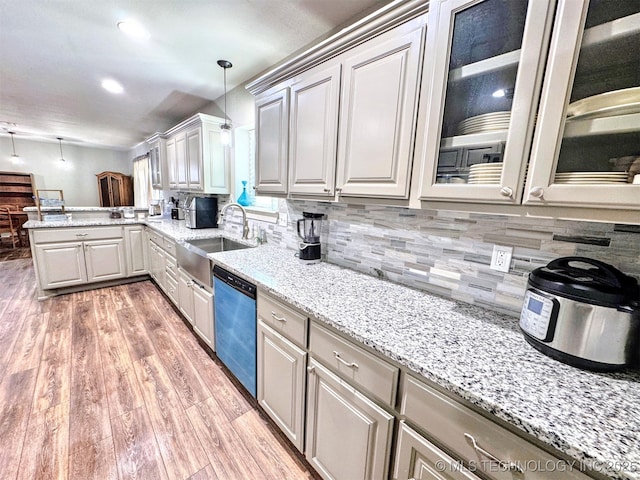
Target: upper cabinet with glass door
(480, 92)
(586, 150)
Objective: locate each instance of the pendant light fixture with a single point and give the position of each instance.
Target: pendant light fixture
(61, 156)
(15, 158)
(225, 130)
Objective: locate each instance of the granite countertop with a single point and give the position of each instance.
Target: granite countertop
(477, 354)
(474, 353)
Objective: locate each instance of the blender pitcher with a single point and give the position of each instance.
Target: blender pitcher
(310, 250)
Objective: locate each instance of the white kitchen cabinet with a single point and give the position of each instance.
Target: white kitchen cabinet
(419, 459)
(348, 437)
(105, 260)
(281, 382)
(378, 113)
(163, 267)
(483, 71)
(60, 264)
(185, 294)
(196, 304)
(197, 159)
(588, 135)
(478, 441)
(314, 131)
(272, 141)
(65, 257)
(193, 138)
(157, 161)
(136, 250)
(203, 314)
(156, 265)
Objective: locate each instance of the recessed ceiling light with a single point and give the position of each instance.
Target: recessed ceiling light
(133, 29)
(110, 85)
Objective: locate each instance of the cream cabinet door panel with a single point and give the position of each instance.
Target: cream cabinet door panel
(419, 459)
(348, 436)
(194, 158)
(60, 265)
(272, 141)
(203, 314)
(217, 173)
(105, 260)
(172, 162)
(281, 382)
(377, 115)
(182, 169)
(137, 263)
(314, 131)
(185, 296)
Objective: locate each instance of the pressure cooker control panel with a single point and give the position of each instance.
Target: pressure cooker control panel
(539, 315)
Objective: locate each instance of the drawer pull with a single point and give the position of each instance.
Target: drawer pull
(353, 365)
(280, 319)
(81, 234)
(508, 466)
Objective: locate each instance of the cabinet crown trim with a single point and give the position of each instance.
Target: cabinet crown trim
(386, 18)
(197, 119)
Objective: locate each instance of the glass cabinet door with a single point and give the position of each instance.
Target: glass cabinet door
(586, 148)
(482, 90)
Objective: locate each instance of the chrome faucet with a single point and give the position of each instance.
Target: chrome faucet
(245, 223)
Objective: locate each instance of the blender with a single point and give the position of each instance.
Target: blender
(310, 250)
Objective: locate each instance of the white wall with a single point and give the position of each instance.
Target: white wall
(76, 176)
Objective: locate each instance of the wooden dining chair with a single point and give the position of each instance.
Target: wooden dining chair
(7, 229)
(12, 208)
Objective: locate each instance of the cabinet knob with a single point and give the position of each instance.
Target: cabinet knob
(338, 189)
(537, 192)
(506, 192)
(311, 369)
(327, 190)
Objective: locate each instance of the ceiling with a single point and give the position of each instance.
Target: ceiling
(54, 55)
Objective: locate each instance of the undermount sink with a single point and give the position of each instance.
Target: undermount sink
(219, 244)
(192, 255)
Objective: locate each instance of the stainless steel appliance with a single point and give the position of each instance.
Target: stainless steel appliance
(235, 325)
(201, 212)
(310, 248)
(582, 312)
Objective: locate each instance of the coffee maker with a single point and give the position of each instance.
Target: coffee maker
(310, 250)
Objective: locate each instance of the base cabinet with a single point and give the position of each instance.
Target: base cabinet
(137, 262)
(419, 459)
(196, 304)
(348, 436)
(281, 382)
(60, 265)
(68, 257)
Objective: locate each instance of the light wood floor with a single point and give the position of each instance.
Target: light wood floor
(111, 384)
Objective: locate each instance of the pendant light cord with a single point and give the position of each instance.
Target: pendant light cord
(225, 95)
(13, 145)
(61, 155)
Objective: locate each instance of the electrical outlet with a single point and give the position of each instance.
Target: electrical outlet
(282, 219)
(501, 258)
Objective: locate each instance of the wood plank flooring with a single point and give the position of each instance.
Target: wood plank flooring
(111, 384)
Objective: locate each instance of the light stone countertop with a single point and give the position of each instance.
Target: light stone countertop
(477, 354)
(474, 353)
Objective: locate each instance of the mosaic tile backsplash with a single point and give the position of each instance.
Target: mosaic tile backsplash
(448, 253)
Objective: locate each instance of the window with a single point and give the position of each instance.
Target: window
(245, 169)
(141, 181)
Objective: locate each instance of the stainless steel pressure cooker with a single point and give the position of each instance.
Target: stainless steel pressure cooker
(583, 312)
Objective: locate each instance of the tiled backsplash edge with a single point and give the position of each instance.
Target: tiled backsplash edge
(448, 253)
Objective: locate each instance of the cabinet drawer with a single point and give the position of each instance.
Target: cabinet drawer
(169, 246)
(354, 363)
(457, 427)
(171, 267)
(51, 235)
(156, 238)
(172, 289)
(283, 319)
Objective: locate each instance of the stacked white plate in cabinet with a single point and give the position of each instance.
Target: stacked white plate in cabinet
(591, 178)
(487, 122)
(485, 173)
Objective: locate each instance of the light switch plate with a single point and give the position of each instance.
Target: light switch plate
(282, 219)
(501, 258)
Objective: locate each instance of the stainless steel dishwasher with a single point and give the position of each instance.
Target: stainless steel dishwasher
(235, 325)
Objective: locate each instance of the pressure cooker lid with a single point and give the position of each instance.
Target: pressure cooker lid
(587, 280)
